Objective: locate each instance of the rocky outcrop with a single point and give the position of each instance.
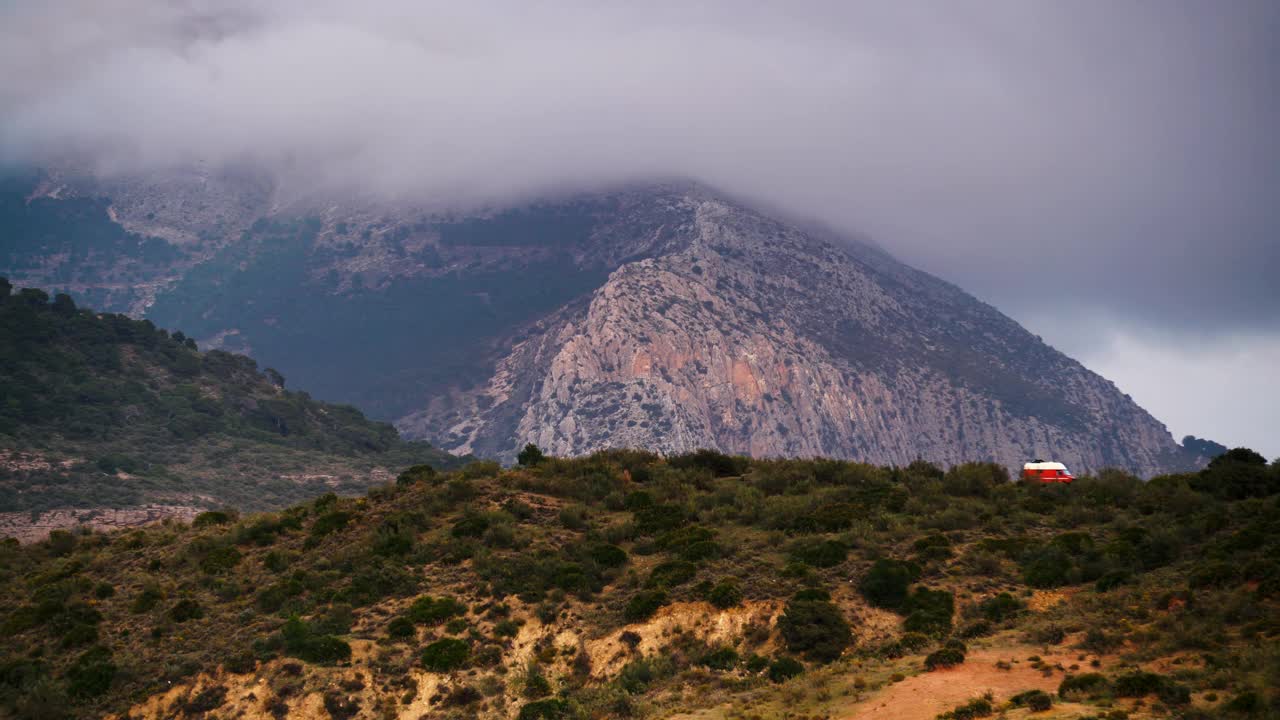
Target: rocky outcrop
(664, 316)
(33, 526)
(754, 337)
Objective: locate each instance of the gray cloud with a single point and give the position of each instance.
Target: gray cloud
(1064, 160)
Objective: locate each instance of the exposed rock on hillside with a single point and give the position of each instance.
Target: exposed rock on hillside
(751, 336)
(662, 316)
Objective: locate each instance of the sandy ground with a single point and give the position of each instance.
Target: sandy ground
(924, 696)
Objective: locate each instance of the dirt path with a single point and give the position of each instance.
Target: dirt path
(924, 696)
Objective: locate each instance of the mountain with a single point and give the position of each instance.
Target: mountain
(108, 421)
(625, 585)
(664, 316)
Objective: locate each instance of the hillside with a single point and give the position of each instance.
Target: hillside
(624, 585)
(662, 315)
(105, 413)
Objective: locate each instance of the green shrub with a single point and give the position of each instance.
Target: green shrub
(637, 500)
(1137, 684)
(1087, 685)
(1172, 693)
(302, 641)
(574, 517)
(535, 683)
(784, 668)
(721, 658)
(1036, 700)
(1247, 703)
(944, 658)
(185, 609)
(816, 629)
(427, 610)
(1214, 575)
(933, 547)
(886, 584)
(210, 518)
(26, 617)
(644, 605)
(654, 519)
(608, 556)
(571, 577)
(725, 594)
(1099, 641)
(220, 560)
(337, 619)
(330, 522)
(240, 662)
(549, 709)
(211, 698)
(1047, 568)
(79, 634)
(91, 674)
(829, 518)
(340, 706)
(396, 535)
(930, 612)
(273, 597)
(1111, 580)
(974, 479)
(471, 524)
(416, 474)
(712, 461)
(401, 627)
(1074, 544)
(913, 641)
(975, 708)
(445, 655)
(636, 676)
(701, 550)
(819, 553)
(812, 593)
(999, 608)
(671, 574)
(530, 456)
(147, 599)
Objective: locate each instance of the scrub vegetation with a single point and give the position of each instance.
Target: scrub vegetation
(470, 582)
(621, 584)
(100, 410)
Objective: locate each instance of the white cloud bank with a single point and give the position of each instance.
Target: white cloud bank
(1045, 155)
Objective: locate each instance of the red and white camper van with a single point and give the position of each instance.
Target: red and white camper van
(1046, 472)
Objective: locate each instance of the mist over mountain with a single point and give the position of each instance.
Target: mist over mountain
(1126, 152)
(659, 315)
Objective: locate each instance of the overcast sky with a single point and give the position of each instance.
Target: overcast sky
(1105, 171)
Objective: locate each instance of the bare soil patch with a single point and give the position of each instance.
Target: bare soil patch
(924, 696)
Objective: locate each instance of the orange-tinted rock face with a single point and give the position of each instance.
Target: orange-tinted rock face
(661, 316)
(750, 336)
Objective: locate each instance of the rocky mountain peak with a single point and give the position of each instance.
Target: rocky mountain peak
(664, 315)
(749, 335)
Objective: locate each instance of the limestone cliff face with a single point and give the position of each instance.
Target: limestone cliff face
(745, 334)
(662, 316)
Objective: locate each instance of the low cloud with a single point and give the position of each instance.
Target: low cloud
(1060, 159)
